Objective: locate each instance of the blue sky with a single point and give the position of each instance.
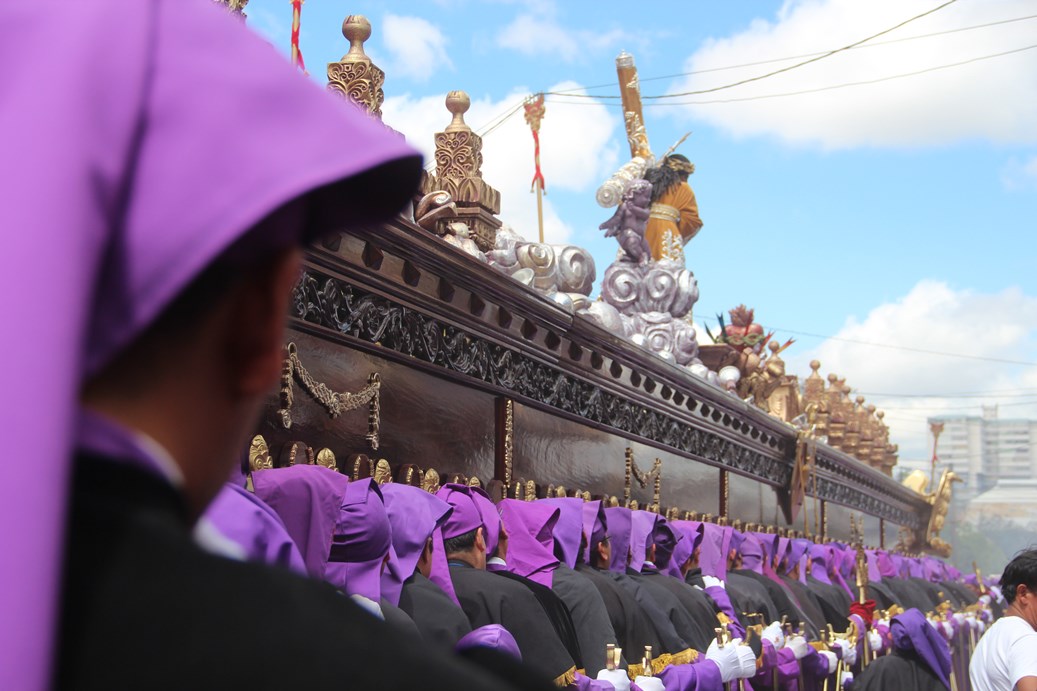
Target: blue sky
(901, 212)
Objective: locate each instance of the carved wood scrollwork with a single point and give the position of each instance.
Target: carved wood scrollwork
(360, 82)
(349, 310)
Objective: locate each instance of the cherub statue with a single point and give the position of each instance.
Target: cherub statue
(628, 224)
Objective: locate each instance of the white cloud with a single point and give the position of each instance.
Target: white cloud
(541, 35)
(935, 317)
(990, 99)
(1020, 175)
(576, 151)
(416, 46)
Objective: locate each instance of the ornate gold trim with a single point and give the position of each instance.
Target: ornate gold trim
(259, 454)
(333, 402)
(566, 678)
(326, 458)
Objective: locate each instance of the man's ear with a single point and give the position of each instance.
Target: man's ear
(258, 322)
(480, 540)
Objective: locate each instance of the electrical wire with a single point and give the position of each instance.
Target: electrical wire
(815, 90)
(925, 351)
(809, 61)
(797, 57)
(1006, 393)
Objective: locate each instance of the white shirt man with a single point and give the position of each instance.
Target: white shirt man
(1006, 657)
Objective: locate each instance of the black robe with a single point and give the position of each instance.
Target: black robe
(440, 621)
(690, 631)
(934, 592)
(670, 640)
(487, 598)
(909, 594)
(898, 671)
(809, 602)
(593, 627)
(556, 611)
(835, 602)
(784, 604)
(697, 604)
(401, 623)
(964, 594)
(752, 597)
(634, 630)
(144, 607)
(881, 594)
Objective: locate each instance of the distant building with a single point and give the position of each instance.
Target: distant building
(989, 452)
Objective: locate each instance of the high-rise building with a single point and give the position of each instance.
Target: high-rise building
(988, 450)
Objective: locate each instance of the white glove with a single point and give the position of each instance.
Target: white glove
(746, 660)
(775, 635)
(799, 646)
(875, 641)
(847, 679)
(617, 677)
(727, 659)
(650, 684)
(849, 651)
(710, 581)
(833, 661)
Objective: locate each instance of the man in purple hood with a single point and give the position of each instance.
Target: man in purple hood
(633, 627)
(254, 530)
(589, 614)
(171, 259)
(417, 578)
(920, 659)
(835, 602)
(691, 611)
(487, 598)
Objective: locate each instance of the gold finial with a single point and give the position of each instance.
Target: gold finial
(458, 103)
(382, 472)
(259, 454)
(357, 30)
(326, 458)
(430, 481)
(355, 76)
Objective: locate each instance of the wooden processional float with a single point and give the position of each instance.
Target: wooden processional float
(440, 347)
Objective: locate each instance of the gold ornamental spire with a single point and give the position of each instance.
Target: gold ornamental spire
(355, 76)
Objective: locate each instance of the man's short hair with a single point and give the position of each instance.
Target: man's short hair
(460, 543)
(1022, 570)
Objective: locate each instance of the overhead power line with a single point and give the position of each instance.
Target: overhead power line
(821, 88)
(890, 346)
(1006, 393)
(875, 44)
(795, 66)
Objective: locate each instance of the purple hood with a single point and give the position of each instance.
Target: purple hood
(308, 499)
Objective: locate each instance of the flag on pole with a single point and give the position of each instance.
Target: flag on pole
(296, 19)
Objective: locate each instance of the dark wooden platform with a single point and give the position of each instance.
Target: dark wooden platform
(452, 338)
